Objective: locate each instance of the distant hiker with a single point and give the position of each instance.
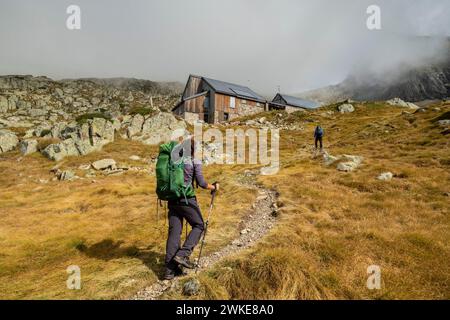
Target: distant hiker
(176, 171)
(318, 135)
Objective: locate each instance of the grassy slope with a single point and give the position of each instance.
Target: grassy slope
(332, 224)
(107, 228)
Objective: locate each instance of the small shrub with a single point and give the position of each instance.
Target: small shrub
(45, 132)
(143, 111)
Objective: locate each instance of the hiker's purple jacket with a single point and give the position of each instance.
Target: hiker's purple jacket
(193, 170)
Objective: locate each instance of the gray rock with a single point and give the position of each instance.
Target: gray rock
(80, 139)
(12, 102)
(385, 176)
(191, 287)
(28, 146)
(136, 125)
(3, 104)
(346, 108)
(59, 151)
(400, 103)
(135, 158)
(37, 112)
(329, 159)
(349, 163)
(104, 164)
(84, 167)
(444, 123)
(160, 128)
(8, 140)
(66, 175)
(59, 93)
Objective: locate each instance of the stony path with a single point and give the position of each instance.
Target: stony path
(255, 226)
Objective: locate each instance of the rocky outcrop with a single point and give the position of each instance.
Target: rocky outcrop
(3, 104)
(400, 103)
(346, 108)
(349, 163)
(385, 176)
(345, 162)
(104, 164)
(28, 146)
(80, 139)
(156, 129)
(8, 140)
(135, 126)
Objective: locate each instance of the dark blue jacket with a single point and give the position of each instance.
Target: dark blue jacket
(318, 133)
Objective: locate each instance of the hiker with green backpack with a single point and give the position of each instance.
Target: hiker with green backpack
(176, 172)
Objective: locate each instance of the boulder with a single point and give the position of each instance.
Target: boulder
(59, 93)
(385, 176)
(160, 128)
(346, 108)
(102, 131)
(80, 139)
(28, 146)
(349, 163)
(59, 151)
(12, 102)
(3, 104)
(328, 159)
(135, 126)
(104, 164)
(37, 112)
(400, 103)
(8, 140)
(66, 175)
(135, 158)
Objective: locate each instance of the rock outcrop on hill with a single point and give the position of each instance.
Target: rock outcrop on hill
(76, 117)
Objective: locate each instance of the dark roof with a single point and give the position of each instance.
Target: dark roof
(234, 90)
(298, 102)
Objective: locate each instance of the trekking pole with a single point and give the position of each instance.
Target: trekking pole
(213, 194)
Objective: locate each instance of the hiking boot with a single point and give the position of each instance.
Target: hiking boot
(184, 261)
(169, 274)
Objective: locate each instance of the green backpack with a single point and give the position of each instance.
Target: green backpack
(170, 175)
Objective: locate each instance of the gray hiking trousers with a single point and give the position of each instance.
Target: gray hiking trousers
(178, 211)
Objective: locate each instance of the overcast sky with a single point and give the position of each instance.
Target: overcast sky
(298, 45)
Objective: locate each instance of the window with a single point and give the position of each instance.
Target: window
(226, 116)
(232, 102)
(205, 117)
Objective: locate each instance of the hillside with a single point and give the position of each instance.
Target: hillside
(329, 226)
(428, 80)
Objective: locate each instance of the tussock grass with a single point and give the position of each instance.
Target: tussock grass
(109, 228)
(334, 225)
(331, 226)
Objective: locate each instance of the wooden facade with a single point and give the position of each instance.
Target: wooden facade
(202, 100)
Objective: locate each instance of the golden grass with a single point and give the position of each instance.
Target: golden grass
(108, 228)
(332, 225)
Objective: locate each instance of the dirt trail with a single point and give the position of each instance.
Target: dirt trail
(254, 226)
